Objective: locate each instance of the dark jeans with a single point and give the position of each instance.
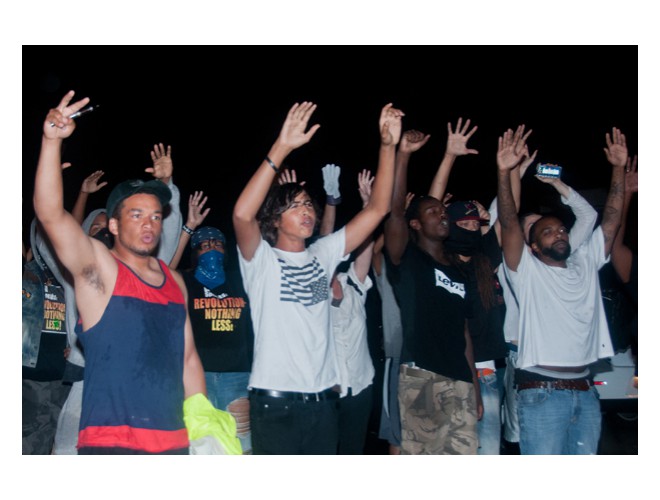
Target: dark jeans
(354, 414)
(42, 403)
(285, 427)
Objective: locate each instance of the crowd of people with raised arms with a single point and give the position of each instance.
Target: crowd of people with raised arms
(489, 319)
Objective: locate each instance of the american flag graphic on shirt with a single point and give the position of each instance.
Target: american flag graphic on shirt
(307, 285)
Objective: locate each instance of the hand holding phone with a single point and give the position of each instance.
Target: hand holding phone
(548, 170)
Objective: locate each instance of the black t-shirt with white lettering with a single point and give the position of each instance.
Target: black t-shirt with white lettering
(434, 306)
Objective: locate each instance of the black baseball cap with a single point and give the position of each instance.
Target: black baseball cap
(463, 210)
(135, 186)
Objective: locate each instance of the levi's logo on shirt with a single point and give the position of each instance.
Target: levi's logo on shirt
(442, 280)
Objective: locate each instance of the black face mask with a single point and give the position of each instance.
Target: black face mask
(463, 241)
(106, 237)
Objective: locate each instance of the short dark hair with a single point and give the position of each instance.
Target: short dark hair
(532, 228)
(414, 209)
(278, 200)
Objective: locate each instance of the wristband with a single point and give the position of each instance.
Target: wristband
(331, 200)
(187, 230)
(270, 162)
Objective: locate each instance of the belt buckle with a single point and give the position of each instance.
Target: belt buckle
(309, 397)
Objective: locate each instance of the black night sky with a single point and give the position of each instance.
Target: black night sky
(221, 108)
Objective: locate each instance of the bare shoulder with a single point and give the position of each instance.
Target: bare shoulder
(179, 280)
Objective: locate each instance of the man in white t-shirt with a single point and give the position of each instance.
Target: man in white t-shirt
(293, 398)
(562, 327)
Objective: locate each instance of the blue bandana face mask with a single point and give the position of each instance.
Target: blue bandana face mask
(210, 270)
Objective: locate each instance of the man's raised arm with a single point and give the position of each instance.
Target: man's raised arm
(72, 246)
(366, 221)
(396, 228)
(622, 256)
(617, 154)
(510, 151)
(292, 136)
(456, 146)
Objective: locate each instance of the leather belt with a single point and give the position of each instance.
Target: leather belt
(306, 397)
(568, 384)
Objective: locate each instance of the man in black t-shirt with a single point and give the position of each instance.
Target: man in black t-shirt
(222, 328)
(438, 387)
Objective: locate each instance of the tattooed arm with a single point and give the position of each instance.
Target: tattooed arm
(510, 152)
(617, 154)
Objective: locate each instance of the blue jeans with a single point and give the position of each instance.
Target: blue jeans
(489, 428)
(510, 407)
(225, 388)
(559, 422)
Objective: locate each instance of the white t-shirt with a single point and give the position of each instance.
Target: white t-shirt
(585, 218)
(562, 319)
(290, 302)
(349, 326)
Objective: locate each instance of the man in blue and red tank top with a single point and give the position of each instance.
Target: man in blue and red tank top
(140, 356)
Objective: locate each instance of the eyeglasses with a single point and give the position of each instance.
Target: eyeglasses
(212, 243)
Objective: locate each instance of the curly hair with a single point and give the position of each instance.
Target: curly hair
(278, 200)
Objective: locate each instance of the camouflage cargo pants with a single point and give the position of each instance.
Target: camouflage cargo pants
(438, 414)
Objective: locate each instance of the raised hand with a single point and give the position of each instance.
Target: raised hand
(527, 160)
(162, 159)
(631, 175)
(616, 150)
(413, 140)
(287, 176)
(390, 125)
(58, 125)
(293, 134)
(196, 214)
(331, 174)
(409, 198)
(457, 141)
(365, 181)
(511, 148)
(91, 182)
(553, 181)
(483, 212)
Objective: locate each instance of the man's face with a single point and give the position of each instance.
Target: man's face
(550, 238)
(297, 221)
(140, 224)
(99, 222)
(432, 221)
(211, 244)
(469, 225)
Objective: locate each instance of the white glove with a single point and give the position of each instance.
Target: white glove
(331, 183)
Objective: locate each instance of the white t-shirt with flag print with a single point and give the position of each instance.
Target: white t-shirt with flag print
(290, 302)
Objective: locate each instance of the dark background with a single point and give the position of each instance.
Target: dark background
(222, 107)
